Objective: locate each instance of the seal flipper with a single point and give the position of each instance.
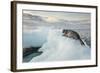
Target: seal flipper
(82, 43)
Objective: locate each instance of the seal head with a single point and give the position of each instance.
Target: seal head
(72, 34)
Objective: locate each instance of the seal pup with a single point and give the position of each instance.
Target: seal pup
(72, 34)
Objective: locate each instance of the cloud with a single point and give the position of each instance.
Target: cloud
(60, 15)
(34, 19)
(51, 19)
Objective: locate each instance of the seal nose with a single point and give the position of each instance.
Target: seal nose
(64, 31)
(65, 35)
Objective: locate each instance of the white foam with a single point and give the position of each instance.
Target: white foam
(60, 48)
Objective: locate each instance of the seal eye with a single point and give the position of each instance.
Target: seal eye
(65, 31)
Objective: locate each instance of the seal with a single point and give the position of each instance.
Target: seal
(72, 34)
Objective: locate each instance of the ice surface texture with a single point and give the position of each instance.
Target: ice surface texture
(60, 48)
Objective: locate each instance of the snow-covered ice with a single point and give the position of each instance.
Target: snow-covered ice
(60, 48)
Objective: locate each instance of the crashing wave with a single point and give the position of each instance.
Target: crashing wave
(60, 48)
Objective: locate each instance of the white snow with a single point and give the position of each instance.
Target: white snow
(60, 48)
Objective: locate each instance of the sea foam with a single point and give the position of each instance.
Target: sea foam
(60, 48)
